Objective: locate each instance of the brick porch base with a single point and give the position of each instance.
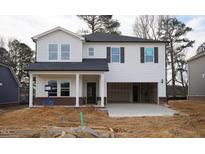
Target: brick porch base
(65, 101)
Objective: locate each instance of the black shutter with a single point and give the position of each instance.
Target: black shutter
(122, 55)
(155, 54)
(142, 54)
(108, 54)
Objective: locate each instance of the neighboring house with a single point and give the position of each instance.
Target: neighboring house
(9, 86)
(196, 76)
(97, 69)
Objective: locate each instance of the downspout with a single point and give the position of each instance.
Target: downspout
(188, 81)
(166, 70)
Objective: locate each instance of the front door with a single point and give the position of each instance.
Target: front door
(91, 92)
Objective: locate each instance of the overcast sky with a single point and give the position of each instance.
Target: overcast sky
(24, 27)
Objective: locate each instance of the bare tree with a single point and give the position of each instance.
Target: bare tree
(82, 32)
(101, 23)
(201, 48)
(181, 71)
(148, 26)
(174, 31)
(2, 42)
(4, 55)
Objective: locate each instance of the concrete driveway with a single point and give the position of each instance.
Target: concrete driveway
(138, 110)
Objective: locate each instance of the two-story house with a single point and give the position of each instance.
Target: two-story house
(97, 69)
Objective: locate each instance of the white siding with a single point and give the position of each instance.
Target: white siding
(42, 80)
(132, 70)
(59, 37)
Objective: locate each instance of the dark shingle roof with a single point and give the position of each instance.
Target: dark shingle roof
(13, 73)
(105, 37)
(196, 56)
(85, 65)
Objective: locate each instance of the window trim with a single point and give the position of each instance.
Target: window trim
(49, 51)
(119, 55)
(61, 52)
(59, 87)
(59, 59)
(145, 62)
(60, 81)
(89, 52)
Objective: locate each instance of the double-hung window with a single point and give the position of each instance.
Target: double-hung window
(149, 55)
(53, 51)
(53, 84)
(115, 55)
(91, 51)
(65, 88)
(65, 51)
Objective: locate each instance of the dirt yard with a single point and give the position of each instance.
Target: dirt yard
(50, 122)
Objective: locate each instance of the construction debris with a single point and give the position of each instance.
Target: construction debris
(65, 122)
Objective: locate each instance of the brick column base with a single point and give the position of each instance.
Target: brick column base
(163, 100)
(64, 101)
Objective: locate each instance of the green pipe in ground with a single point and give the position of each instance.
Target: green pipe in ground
(81, 120)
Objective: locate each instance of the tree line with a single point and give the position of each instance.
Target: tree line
(17, 55)
(167, 28)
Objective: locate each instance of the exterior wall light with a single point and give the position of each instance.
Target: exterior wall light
(162, 81)
(1, 84)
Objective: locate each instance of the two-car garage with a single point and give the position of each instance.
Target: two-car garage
(132, 93)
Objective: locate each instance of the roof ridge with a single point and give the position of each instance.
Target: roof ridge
(196, 56)
(107, 37)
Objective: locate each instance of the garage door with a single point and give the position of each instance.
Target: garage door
(119, 92)
(132, 92)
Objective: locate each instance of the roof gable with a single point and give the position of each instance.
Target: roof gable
(12, 72)
(105, 37)
(34, 38)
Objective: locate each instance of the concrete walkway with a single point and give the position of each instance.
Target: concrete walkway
(138, 110)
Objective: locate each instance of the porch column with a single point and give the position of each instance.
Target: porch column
(30, 90)
(77, 90)
(102, 89)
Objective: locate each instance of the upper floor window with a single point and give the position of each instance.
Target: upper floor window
(65, 51)
(65, 88)
(53, 51)
(115, 55)
(91, 51)
(149, 55)
(53, 84)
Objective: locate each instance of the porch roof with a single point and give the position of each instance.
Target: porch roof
(85, 65)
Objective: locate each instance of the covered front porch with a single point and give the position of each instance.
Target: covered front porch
(72, 89)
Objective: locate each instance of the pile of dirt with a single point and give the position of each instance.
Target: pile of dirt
(190, 122)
